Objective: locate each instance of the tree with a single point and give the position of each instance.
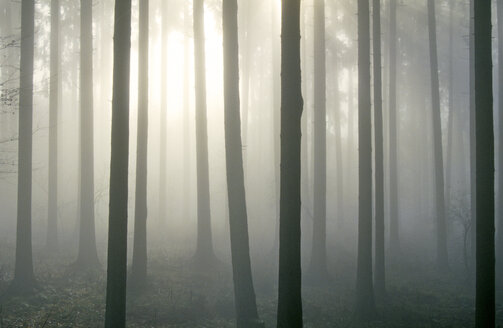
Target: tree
(379, 275)
(318, 268)
(499, 207)
(485, 286)
(365, 307)
(139, 265)
(437, 140)
(115, 315)
(87, 256)
(289, 284)
(24, 278)
(163, 147)
(394, 228)
(204, 249)
(52, 214)
(244, 294)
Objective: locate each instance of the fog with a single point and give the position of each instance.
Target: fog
(430, 277)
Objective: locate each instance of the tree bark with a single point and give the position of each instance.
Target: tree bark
(139, 262)
(379, 275)
(115, 315)
(244, 293)
(24, 278)
(499, 207)
(87, 256)
(437, 140)
(485, 286)
(289, 285)
(365, 307)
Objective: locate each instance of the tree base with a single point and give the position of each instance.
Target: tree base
(21, 287)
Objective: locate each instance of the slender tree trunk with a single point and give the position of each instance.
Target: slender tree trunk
(448, 168)
(244, 293)
(318, 268)
(485, 286)
(473, 180)
(276, 105)
(499, 207)
(365, 307)
(204, 249)
(115, 315)
(87, 256)
(24, 278)
(52, 215)
(437, 140)
(394, 228)
(186, 115)
(139, 266)
(289, 286)
(163, 198)
(379, 278)
(246, 76)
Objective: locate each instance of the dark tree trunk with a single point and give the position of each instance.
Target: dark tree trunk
(485, 294)
(437, 140)
(52, 214)
(204, 249)
(318, 268)
(379, 275)
(473, 180)
(499, 207)
(394, 228)
(365, 307)
(139, 265)
(163, 133)
(24, 279)
(289, 285)
(244, 294)
(115, 315)
(87, 256)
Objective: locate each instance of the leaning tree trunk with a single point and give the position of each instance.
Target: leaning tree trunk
(437, 140)
(244, 293)
(204, 249)
(318, 268)
(379, 275)
(289, 284)
(115, 315)
(365, 307)
(485, 287)
(139, 262)
(87, 256)
(52, 214)
(24, 279)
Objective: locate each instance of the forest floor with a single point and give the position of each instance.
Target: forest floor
(178, 296)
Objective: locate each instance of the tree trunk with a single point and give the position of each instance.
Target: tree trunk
(450, 132)
(499, 207)
(379, 278)
(485, 287)
(204, 249)
(24, 279)
(139, 265)
(163, 122)
(394, 228)
(115, 315)
(87, 256)
(187, 158)
(318, 268)
(365, 307)
(276, 103)
(244, 294)
(437, 140)
(52, 215)
(289, 285)
(473, 180)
